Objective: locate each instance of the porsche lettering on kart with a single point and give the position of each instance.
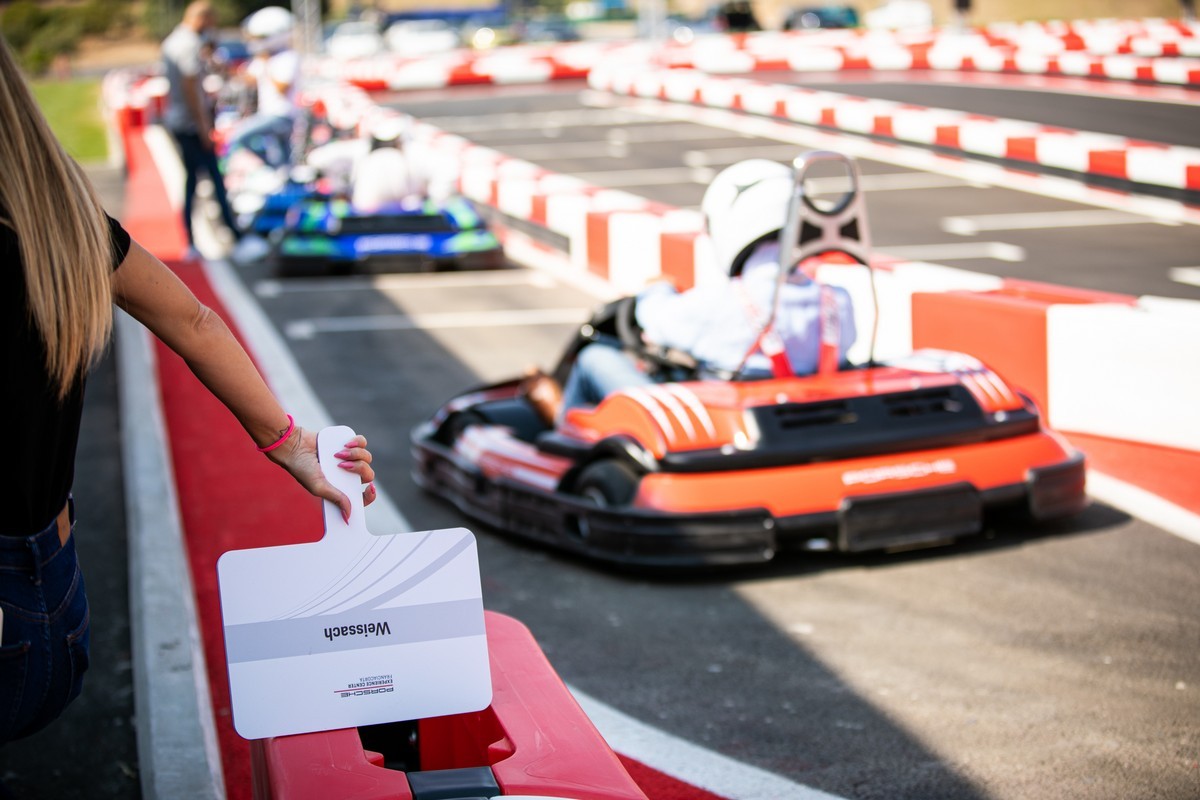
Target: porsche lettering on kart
(374, 684)
(713, 467)
(899, 472)
(392, 242)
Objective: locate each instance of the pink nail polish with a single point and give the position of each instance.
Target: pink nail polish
(346, 464)
(342, 454)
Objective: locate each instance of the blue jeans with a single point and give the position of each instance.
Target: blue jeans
(196, 159)
(267, 136)
(44, 647)
(599, 370)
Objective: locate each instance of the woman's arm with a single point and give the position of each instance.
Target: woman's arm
(152, 294)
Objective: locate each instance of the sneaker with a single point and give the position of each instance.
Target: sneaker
(544, 394)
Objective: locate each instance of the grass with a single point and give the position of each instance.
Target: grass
(73, 110)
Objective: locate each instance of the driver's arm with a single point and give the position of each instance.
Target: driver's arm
(673, 319)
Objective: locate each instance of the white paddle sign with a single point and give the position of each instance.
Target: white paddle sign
(354, 629)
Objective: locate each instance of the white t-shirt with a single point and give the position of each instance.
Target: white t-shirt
(181, 59)
(281, 69)
(382, 177)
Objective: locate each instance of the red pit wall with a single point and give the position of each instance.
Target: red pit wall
(1006, 328)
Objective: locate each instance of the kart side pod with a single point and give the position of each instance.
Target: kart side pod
(533, 740)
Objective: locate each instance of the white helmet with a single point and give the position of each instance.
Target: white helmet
(269, 28)
(745, 203)
(389, 130)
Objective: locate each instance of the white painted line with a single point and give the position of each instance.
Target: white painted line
(620, 138)
(956, 251)
(524, 249)
(551, 150)
(1145, 505)
(657, 176)
(688, 762)
(445, 280)
(1159, 209)
(881, 182)
(308, 328)
(166, 159)
(895, 182)
(1188, 275)
(1023, 221)
(731, 155)
(525, 122)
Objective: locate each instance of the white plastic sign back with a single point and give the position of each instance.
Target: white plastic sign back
(354, 629)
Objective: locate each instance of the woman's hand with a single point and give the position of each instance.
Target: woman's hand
(298, 455)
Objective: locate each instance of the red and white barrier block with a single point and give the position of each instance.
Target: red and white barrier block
(508, 65)
(946, 51)
(1149, 163)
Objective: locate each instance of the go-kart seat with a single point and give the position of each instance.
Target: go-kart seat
(514, 413)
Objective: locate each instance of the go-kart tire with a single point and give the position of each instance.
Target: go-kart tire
(609, 483)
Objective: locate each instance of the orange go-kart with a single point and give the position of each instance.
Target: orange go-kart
(887, 455)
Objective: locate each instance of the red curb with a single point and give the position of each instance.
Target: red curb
(1164, 471)
(660, 786)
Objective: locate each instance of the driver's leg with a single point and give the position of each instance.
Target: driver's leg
(600, 369)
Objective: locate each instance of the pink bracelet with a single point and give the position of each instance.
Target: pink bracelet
(291, 427)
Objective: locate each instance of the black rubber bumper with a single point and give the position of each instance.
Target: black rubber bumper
(655, 538)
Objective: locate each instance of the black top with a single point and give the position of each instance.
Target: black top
(44, 431)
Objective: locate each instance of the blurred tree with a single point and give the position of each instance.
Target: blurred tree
(21, 22)
(161, 16)
(39, 32)
(51, 41)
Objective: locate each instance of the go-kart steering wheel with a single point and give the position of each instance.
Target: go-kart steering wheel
(628, 330)
(630, 334)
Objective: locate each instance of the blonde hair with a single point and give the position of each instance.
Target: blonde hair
(65, 246)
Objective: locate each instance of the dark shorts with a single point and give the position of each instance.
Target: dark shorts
(44, 644)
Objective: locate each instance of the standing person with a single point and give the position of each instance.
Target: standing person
(275, 69)
(386, 175)
(962, 14)
(65, 263)
(189, 116)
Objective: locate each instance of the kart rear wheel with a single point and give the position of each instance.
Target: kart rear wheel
(609, 483)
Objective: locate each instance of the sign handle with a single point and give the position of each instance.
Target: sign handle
(329, 442)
